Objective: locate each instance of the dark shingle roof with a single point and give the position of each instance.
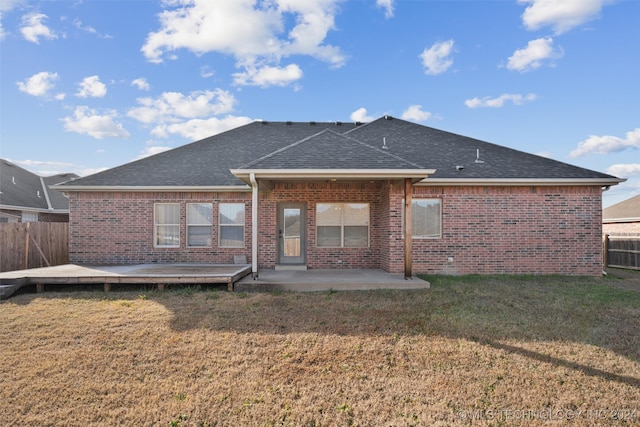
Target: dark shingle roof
(23, 189)
(330, 150)
(274, 145)
(627, 209)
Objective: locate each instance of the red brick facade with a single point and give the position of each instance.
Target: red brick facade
(485, 230)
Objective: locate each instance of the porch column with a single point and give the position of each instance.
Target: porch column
(408, 194)
(254, 226)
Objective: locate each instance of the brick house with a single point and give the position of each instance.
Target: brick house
(389, 194)
(27, 197)
(622, 218)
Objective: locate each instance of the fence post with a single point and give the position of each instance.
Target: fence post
(605, 250)
(26, 247)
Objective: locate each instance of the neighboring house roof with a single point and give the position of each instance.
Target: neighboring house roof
(386, 143)
(625, 211)
(24, 190)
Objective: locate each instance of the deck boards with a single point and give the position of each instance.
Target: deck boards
(156, 274)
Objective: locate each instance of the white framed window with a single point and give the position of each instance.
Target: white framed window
(426, 218)
(199, 222)
(29, 217)
(166, 225)
(231, 225)
(342, 225)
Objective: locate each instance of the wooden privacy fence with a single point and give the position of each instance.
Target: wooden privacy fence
(622, 251)
(33, 245)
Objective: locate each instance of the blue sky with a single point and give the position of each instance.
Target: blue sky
(89, 85)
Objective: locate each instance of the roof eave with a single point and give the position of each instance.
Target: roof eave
(605, 182)
(152, 188)
(32, 209)
(620, 220)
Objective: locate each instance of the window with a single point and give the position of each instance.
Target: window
(166, 219)
(342, 225)
(199, 221)
(231, 225)
(426, 218)
(29, 217)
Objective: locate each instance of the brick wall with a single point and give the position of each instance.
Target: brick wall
(485, 230)
(117, 228)
(312, 194)
(539, 230)
(621, 228)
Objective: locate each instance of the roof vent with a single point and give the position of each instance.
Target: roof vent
(38, 194)
(338, 123)
(358, 123)
(289, 122)
(13, 180)
(312, 123)
(264, 122)
(384, 143)
(387, 117)
(478, 156)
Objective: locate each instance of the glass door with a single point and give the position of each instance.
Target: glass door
(291, 233)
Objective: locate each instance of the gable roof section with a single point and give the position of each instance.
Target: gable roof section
(204, 164)
(331, 154)
(446, 152)
(24, 190)
(625, 211)
(207, 165)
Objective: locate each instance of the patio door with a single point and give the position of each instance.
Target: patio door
(291, 233)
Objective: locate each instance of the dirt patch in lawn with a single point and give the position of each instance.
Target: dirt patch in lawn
(472, 350)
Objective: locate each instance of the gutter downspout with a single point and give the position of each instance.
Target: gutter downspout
(254, 226)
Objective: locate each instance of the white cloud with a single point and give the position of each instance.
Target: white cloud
(360, 115)
(387, 5)
(607, 144)
(91, 87)
(152, 150)
(561, 15)
(39, 84)
(7, 5)
(533, 56)
(99, 126)
(624, 170)
(197, 129)
(206, 72)
(33, 28)
(415, 113)
(141, 84)
(257, 35)
(515, 98)
(436, 59)
(174, 106)
(268, 76)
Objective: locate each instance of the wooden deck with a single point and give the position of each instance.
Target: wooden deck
(155, 274)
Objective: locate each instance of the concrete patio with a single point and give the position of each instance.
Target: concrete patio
(325, 280)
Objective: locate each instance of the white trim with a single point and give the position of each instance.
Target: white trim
(254, 225)
(333, 173)
(511, 182)
(31, 209)
(620, 220)
(165, 189)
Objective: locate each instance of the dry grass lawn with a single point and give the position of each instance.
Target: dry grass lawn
(469, 351)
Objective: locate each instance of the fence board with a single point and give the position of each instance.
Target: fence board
(622, 251)
(27, 245)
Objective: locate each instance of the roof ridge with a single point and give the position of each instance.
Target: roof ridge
(282, 149)
(381, 151)
(338, 134)
(46, 193)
